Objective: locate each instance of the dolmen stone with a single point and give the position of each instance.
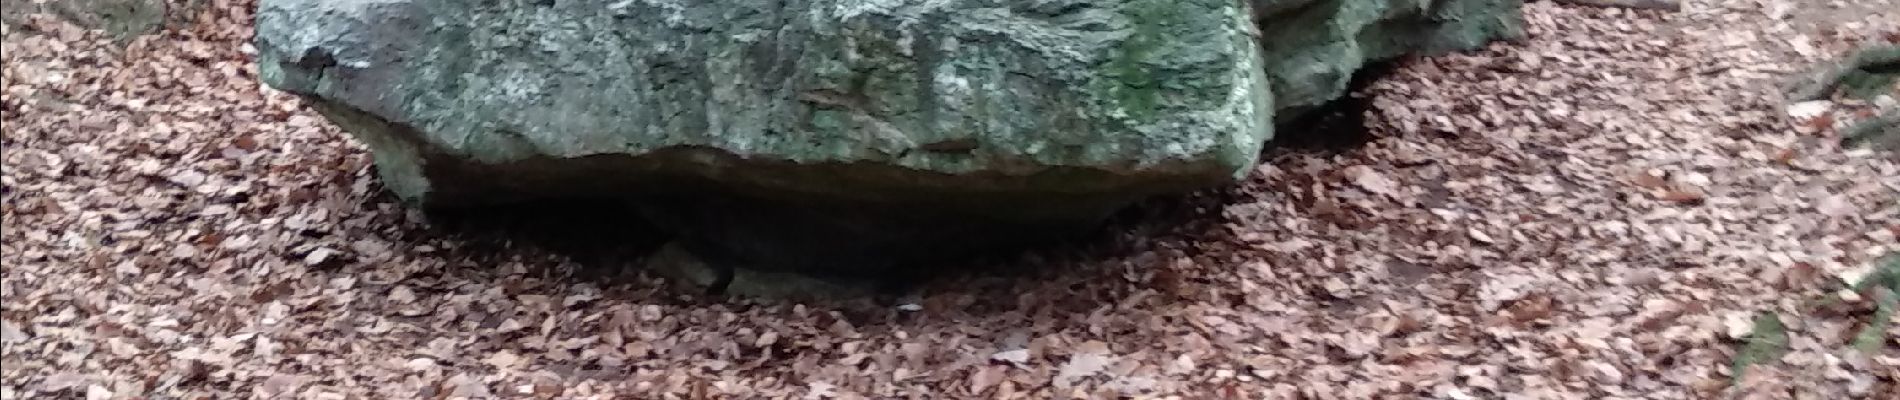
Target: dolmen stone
(836, 136)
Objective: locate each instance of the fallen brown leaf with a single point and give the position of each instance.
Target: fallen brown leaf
(1649, 181)
(1683, 197)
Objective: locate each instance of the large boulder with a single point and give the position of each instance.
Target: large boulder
(836, 135)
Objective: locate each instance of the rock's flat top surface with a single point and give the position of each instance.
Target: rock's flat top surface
(165, 222)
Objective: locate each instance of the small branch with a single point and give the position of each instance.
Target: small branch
(1665, 5)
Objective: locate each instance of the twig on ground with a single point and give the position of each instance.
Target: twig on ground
(1665, 5)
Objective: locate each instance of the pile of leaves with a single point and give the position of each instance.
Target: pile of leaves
(1604, 209)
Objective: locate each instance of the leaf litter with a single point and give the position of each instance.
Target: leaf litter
(1600, 210)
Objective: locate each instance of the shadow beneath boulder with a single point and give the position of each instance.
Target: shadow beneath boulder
(606, 239)
(1337, 127)
(1079, 274)
(610, 244)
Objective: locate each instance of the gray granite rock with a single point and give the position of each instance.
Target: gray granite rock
(840, 135)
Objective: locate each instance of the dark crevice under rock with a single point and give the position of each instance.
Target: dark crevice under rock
(1336, 126)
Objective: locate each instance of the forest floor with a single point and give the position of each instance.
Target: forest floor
(1617, 206)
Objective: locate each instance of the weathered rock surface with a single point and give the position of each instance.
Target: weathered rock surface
(836, 134)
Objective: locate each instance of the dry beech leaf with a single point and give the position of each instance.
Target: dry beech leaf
(1785, 156)
(502, 359)
(1017, 356)
(320, 256)
(401, 294)
(62, 381)
(1371, 181)
(1080, 365)
(1531, 308)
(1809, 109)
(1836, 206)
(1820, 123)
(245, 142)
(1479, 236)
(548, 390)
(1801, 275)
(1649, 181)
(985, 377)
(1683, 197)
(96, 392)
